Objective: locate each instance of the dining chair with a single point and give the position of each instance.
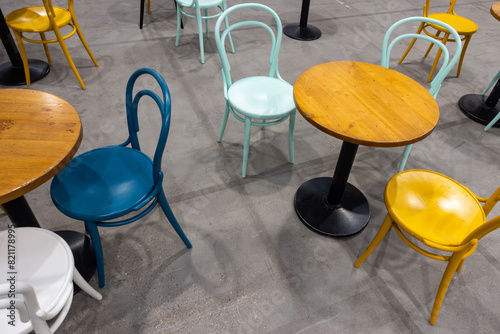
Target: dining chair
(446, 66)
(441, 214)
(462, 25)
(43, 19)
(198, 6)
(39, 269)
(257, 100)
(497, 117)
(106, 184)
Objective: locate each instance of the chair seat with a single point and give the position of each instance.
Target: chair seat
(34, 19)
(262, 97)
(431, 206)
(103, 184)
(462, 25)
(203, 3)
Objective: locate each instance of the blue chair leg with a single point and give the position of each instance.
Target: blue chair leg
(91, 228)
(171, 218)
(291, 132)
(406, 153)
(224, 122)
(246, 146)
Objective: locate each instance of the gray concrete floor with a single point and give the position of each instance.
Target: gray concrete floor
(254, 267)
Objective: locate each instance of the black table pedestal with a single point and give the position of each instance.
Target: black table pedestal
(302, 31)
(332, 206)
(481, 109)
(20, 214)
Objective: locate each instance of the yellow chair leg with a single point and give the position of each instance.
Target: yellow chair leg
(432, 44)
(386, 226)
(412, 42)
(454, 262)
(68, 56)
(24, 57)
(438, 55)
(466, 43)
(46, 47)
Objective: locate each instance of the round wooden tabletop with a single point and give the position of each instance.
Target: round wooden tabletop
(365, 104)
(39, 134)
(495, 10)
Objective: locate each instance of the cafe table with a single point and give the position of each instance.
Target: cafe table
(39, 134)
(361, 104)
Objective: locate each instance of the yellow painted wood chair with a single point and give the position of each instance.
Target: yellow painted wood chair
(462, 25)
(42, 19)
(440, 213)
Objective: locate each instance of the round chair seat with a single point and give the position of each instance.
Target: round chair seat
(103, 184)
(35, 19)
(462, 25)
(426, 203)
(262, 97)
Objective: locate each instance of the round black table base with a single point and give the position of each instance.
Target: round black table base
(346, 219)
(309, 33)
(473, 106)
(14, 76)
(83, 252)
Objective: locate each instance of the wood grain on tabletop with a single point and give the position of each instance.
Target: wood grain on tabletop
(365, 104)
(39, 134)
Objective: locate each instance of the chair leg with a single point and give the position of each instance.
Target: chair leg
(179, 19)
(386, 226)
(291, 132)
(464, 48)
(91, 227)
(68, 56)
(455, 260)
(412, 42)
(46, 47)
(82, 39)
(149, 6)
(246, 146)
(493, 121)
(206, 22)
(491, 83)
(82, 283)
(24, 57)
(432, 44)
(224, 122)
(200, 34)
(404, 158)
(171, 218)
(438, 55)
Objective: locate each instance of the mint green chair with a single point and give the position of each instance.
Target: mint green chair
(446, 66)
(258, 100)
(198, 6)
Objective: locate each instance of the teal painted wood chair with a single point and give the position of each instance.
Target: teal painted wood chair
(446, 66)
(257, 100)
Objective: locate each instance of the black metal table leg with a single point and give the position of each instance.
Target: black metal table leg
(332, 206)
(481, 109)
(302, 31)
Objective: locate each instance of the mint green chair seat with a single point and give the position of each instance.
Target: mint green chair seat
(446, 66)
(198, 6)
(258, 100)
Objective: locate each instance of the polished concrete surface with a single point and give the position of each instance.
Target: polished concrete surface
(254, 267)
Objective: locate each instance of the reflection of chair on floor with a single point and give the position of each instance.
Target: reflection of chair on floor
(42, 288)
(108, 183)
(439, 212)
(268, 99)
(462, 25)
(42, 19)
(445, 67)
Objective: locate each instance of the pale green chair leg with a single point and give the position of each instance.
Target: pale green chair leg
(497, 117)
(179, 18)
(291, 132)
(206, 21)
(200, 34)
(406, 153)
(246, 146)
(493, 121)
(224, 122)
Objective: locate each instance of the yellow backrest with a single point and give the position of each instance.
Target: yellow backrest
(451, 9)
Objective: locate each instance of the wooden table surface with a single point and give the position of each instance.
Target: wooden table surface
(39, 134)
(495, 10)
(365, 104)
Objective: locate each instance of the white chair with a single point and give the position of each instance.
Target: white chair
(41, 265)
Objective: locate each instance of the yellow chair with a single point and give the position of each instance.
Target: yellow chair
(42, 19)
(462, 25)
(441, 213)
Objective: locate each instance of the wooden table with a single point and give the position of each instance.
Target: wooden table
(362, 104)
(39, 134)
(478, 107)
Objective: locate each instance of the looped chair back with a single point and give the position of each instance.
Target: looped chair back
(443, 71)
(256, 100)
(108, 183)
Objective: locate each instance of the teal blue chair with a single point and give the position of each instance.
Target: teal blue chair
(445, 67)
(108, 183)
(258, 100)
(497, 117)
(198, 6)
